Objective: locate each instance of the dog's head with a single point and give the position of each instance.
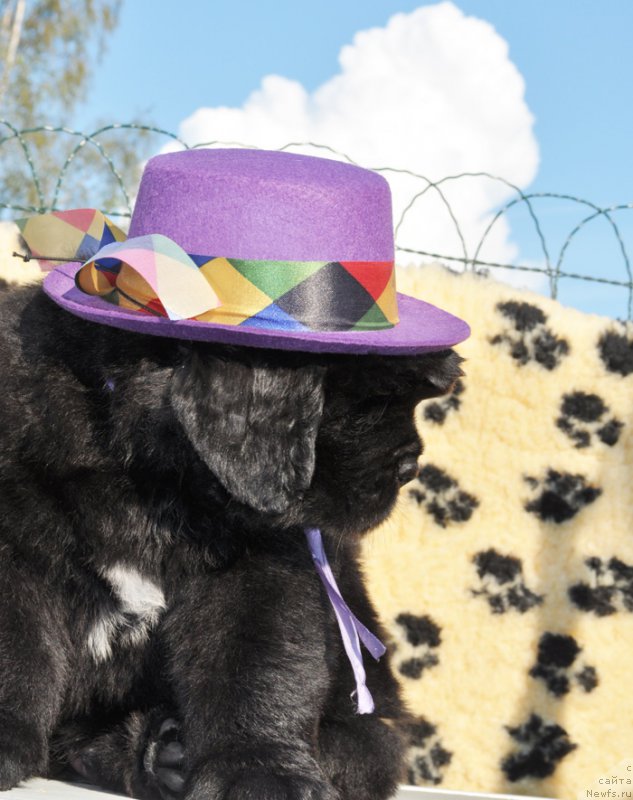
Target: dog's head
(275, 436)
(325, 441)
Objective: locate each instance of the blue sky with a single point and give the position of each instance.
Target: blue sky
(166, 60)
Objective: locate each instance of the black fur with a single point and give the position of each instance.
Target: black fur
(196, 467)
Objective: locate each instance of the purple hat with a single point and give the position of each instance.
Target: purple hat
(248, 247)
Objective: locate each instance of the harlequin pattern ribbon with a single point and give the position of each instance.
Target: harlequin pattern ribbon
(68, 235)
(154, 275)
(353, 632)
(152, 272)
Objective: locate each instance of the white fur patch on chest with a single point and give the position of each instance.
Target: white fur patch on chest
(140, 605)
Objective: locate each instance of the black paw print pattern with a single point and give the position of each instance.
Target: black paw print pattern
(585, 417)
(609, 589)
(502, 583)
(437, 410)
(560, 495)
(542, 746)
(528, 337)
(442, 497)
(557, 655)
(423, 635)
(616, 352)
(426, 758)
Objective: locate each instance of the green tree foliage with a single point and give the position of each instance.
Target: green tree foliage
(49, 51)
(58, 45)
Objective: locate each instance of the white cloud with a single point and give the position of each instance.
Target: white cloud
(434, 92)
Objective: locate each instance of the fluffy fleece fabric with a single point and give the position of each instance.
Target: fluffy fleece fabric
(15, 270)
(506, 575)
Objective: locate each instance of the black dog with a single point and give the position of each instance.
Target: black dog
(153, 500)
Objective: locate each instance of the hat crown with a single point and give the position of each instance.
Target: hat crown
(266, 205)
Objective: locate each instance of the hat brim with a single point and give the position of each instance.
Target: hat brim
(422, 328)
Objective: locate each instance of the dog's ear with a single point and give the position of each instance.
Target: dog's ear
(254, 426)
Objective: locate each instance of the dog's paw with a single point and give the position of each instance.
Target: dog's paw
(143, 757)
(361, 756)
(260, 786)
(22, 753)
(13, 770)
(246, 781)
(163, 761)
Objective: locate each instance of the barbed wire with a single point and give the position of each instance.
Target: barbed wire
(552, 267)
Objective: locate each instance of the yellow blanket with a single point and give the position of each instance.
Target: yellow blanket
(505, 577)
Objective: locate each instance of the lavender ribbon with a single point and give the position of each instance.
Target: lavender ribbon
(353, 632)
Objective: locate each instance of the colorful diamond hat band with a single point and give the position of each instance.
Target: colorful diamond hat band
(254, 248)
(152, 274)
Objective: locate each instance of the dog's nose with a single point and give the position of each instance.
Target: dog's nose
(407, 469)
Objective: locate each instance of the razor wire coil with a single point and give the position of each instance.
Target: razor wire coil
(470, 259)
